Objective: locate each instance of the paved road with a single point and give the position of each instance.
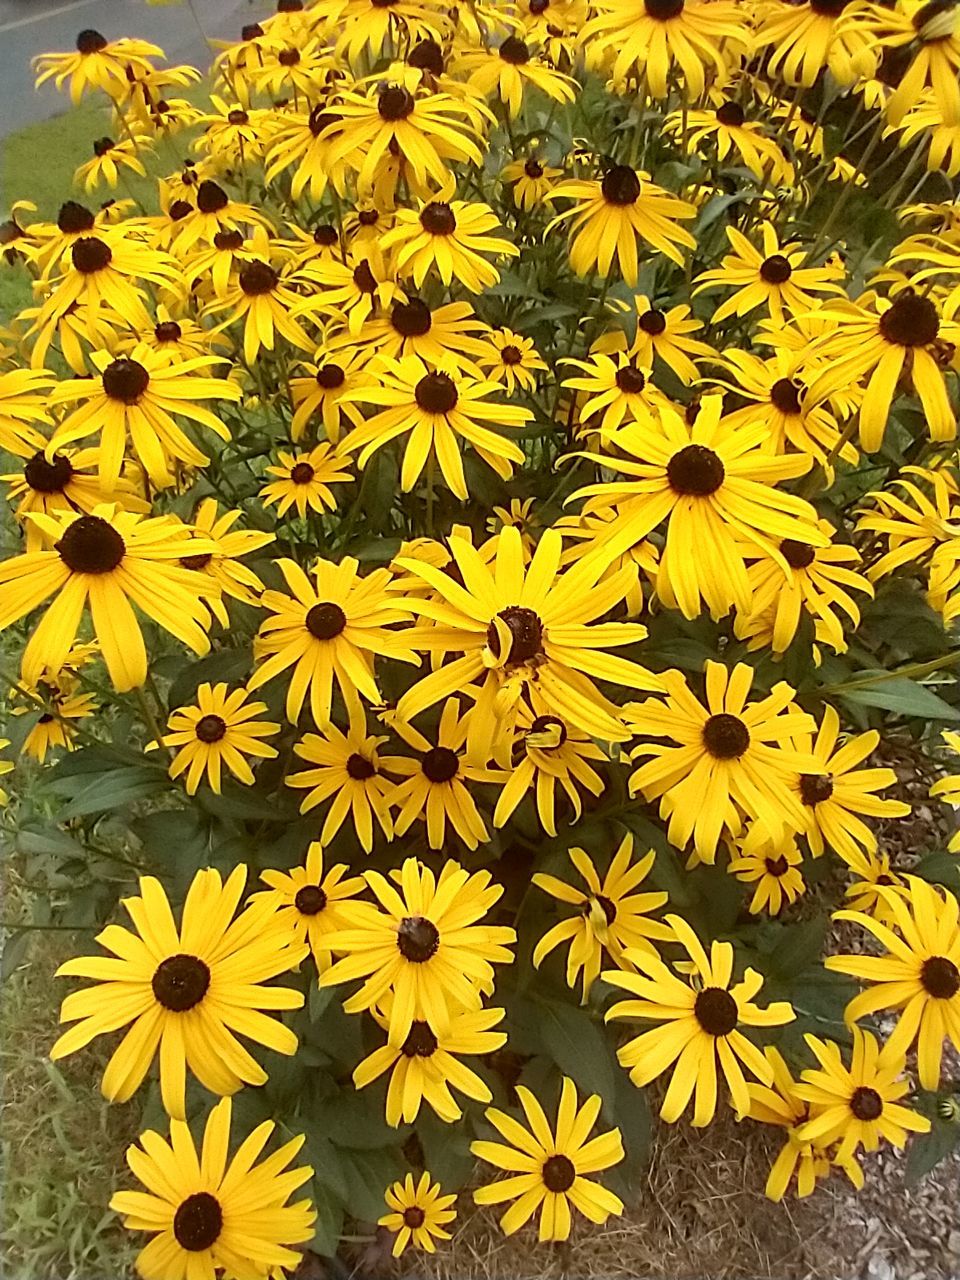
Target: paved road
(28, 27)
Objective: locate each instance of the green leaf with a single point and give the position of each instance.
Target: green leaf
(368, 1174)
(928, 1149)
(352, 1120)
(940, 868)
(112, 790)
(798, 947)
(901, 695)
(577, 1044)
(329, 1224)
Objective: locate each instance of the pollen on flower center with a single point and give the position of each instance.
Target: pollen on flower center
(940, 977)
(785, 395)
(726, 737)
(91, 545)
(168, 331)
(211, 728)
(695, 470)
(360, 768)
(798, 555)
(815, 788)
(395, 103)
(514, 51)
(526, 634)
(440, 764)
(125, 380)
(620, 185)
(776, 866)
(652, 322)
(90, 41)
(630, 380)
(559, 1173)
(198, 1222)
(436, 393)
(325, 620)
(716, 1011)
(420, 1041)
(775, 269)
(74, 218)
(866, 1103)
(180, 982)
(911, 321)
(730, 114)
(257, 278)
(411, 319)
(417, 939)
(438, 218)
(310, 900)
(45, 476)
(90, 254)
(302, 473)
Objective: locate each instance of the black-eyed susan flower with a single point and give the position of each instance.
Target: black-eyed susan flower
(715, 485)
(234, 133)
(883, 339)
(449, 337)
(548, 754)
(530, 180)
(426, 1066)
(816, 35)
(615, 390)
(779, 1104)
(511, 360)
(696, 37)
(424, 943)
(262, 299)
(63, 706)
(138, 398)
(6, 766)
(914, 524)
(449, 237)
(773, 276)
(663, 335)
(357, 287)
(772, 867)
(23, 401)
(310, 901)
(926, 122)
(947, 789)
(873, 874)
(222, 564)
(345, 768)
(515, 626)
(219, 730)
(722, 128)
(188, 992)
(109, 162)
(366, 24)
(306, 140)
(319, 408)
(550, 1164)
(857, 1105)
(303, 480)
(510, 69)
(213, 212)
(700, 1019)
(435, 410)
(931, 38)
(718, 761)
(292, 67)
(95, 63)
(612, 213)
(419, 1213)
(327, 630)
(208, 1215)
(435, 781)
(610, 915)
(111, 560)
(833, 798)
(918, 977)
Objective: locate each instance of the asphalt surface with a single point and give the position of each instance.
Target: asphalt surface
(29, 27)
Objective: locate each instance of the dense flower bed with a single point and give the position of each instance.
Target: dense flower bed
(480, 516)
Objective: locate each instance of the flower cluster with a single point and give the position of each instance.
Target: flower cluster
(556, 489)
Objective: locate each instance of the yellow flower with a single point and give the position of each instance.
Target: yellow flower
(772, 867)
(511, 360)
(109, 161)
(449, 236)
(552, 754)
(779, 1103)
(222, 564)
(310, 902)
(510, 69)
(304, 479)
(97, 63)
(419, 1213)
(219, 729)
(531, 181)
(948, 789)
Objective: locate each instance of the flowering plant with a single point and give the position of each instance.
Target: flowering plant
(485, 518)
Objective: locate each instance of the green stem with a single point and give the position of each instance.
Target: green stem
(911, 671)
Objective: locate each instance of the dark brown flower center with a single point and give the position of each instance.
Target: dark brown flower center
(440, 764)
(511, 354)
(815, 788)
(436, 393)
(927, 17)
(438, 218)
(411, 319)
(288, 57)
(395, 103)
(775, 269)
(514, 51)
(726, 737)
(730, 114)
(325, 620)
(420, 1041)
(211, 197)
(125, 380)
(90, 545)
(866, 1103)
(168, 331)
(630, 380)
(940, 977)
(785, 395)
(663, 10)
(330, 376)
(90, 254)
(51, 476)
(211, 728)
(74, 218)
(695, 470)
(427, 56)
(368, 217)
(526, 634)
(102, 145)
(652, 322)
(251, 31)
(180, 982)
(198, 1222)
(90, 41)
(364, 278)
(716, 1011)
(542, 723)
(233, 240)
(607, 906)
(414, 1216)
(302, 473)
(537, 7)
(777, 866)
(559, 1173)
(417, 939)
(320, 119)
(179, 210)
(257, 278)
(911, 321)
(829, 8)
(533, 169)
(310, 900)
(620, 185)
(360, 768)
(798, 555)
(196, 562)
(237, 116)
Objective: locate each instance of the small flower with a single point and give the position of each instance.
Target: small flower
(418, 1214)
